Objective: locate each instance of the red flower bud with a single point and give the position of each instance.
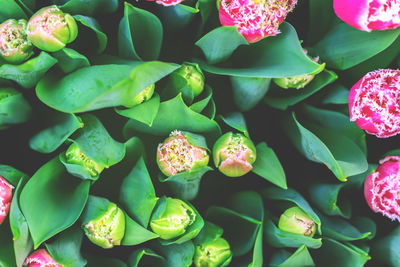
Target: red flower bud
(5, 198)
(40, 258)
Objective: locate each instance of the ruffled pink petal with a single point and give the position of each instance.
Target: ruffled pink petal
(374, 103)
(5, 198)
(167, 2)
(368, 15)
(382, 188)
(41, 258)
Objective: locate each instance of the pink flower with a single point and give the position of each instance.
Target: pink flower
(255, 19)
(167, 2)
(40, 258)
(5, 198)
(374, 103)
(382, 188)
(368, 15)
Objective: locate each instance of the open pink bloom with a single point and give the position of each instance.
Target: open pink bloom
(255, 19)
(168, 2)
(374, 103)
(368, 15)
(5, 198)
(40, 258)
(382, 188)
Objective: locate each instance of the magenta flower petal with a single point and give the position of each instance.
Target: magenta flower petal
(255, 19)
(167, 2)
(382, 188)
(5, 198)
(374, 103)
(40, 258)
(368, 15)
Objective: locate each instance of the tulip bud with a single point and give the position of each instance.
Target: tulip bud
(172, 218)
(51, 30)
(40, 258)
(368, 15)
(74, 155)
(177, 155)
(255, 19)
(108, 230)
(14, 44)
(234, 154)
(382, 188)
(192, 74)
(374, 103)
(167, 2)
(294, 220)
(213, 253)
(143, 96)
(5, 198)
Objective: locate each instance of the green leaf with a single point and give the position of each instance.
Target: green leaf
(209, 232)
(283, 98)
(328, 198)
(65, 249)
(70, 60)
(320, 25)
(60, 127)
(273, 57)
(11, 174)
(145, 112)
(219, 44)
(143, 256)
(6, 249)
(14, 109)
(386, 249)
(248, 92)
(91, 26)
(176, 255)
(300, 258)
(135, 234)
(9, 9)
(344, 46)
(88, 8)
(336, 94)
(140, 34)
(338, 152)
(178, 16)
(51, 201)
(237, 121)
(27, 74)
(202, 104)
(267, 165)
(137, 194)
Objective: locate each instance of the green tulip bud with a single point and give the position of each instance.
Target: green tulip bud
(213, 253)
(177, 155)
(50, 29)
(234, 154)
(108, 230)
(14, 44)
(74, 155)
(193, 76)
(297, 82)
(172, 218)
(295, 220)
(143, 96)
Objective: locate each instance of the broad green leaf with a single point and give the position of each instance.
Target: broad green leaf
(200, 105)
(135, 234)
(70, 60)
(145, 112)
(248, 92)
(329, 199)
(88, 8)
(283, 98)
(273, 57)
(386, 249)
(11, 174)
(137, 194)
(336, 94)
(27, 74)
(90, 31)
(140, 34)
(100, 86)
(6, 249)
(267, 165)
(300, 258)
(176, 255)
(344, 46)
(144, 256)
(209, 232)
(60, 127)
(65, 249)
(51, 201)
(178, 16)
(320, 25)
(9, 9)
(346, 254)
(237, 121)
(219, 44)
(14, 109)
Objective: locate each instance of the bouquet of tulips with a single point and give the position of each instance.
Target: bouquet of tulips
(179, 133)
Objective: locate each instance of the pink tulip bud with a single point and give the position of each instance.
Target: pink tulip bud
(5, 198)
(374, 103)
(167, 2)
(382, 188)
(255, 19)
(40, 258)
(368, 15)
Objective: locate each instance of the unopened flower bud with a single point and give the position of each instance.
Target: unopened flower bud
(173, 219)
(234, 154)
(213, 253)
(294, 220)
(15, 46)
(192, 74)
(374, 103)
(255, 19)
(143, 96)
(5, 198)
(368, 15)
(108, 230)
(74, 155)
(51, 30)
(41, 258)
(382, 188)
(177, 155)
